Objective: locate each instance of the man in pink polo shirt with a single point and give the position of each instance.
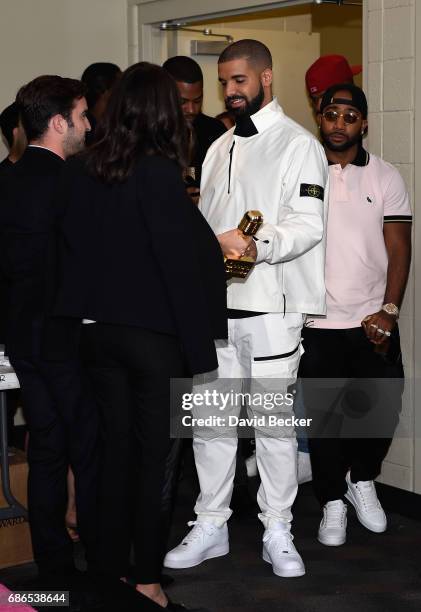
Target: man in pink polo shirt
(354, 351)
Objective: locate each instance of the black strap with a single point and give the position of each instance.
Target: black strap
(277, 356)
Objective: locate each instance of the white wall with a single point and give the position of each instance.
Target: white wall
(391, 57)
(57, 37)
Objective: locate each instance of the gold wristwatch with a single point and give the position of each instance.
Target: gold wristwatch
(391, 309)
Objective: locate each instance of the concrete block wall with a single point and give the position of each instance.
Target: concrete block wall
(389, 80)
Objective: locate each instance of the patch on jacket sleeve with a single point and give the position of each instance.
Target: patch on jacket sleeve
(311, 191)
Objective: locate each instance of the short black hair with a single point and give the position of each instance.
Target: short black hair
(99, 78)
(183, 69)
(44, 97)
(254, 51)
(9, 120)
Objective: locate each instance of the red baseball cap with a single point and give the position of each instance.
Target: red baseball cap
(329, 70)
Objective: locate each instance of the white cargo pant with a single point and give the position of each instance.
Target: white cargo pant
(262, 347)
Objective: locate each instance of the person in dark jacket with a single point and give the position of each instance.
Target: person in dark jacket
(99, 79)
(141, 267)
(15, 139)
(60, 417)
(14, 135)
(204, 130)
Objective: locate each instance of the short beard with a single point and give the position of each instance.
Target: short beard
(72, 145)
(250, 108)
(348, 144)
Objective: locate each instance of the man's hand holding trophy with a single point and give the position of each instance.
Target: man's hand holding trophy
(238, 246)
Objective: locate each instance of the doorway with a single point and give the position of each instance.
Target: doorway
(297, 33)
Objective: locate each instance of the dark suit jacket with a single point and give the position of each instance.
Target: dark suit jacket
(205, 131)
(5, 167)
(140, 253)
(26, 221)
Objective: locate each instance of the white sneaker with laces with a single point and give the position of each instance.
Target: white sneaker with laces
(204, 541)
(332, 530)
(363, 497)
(279, 550)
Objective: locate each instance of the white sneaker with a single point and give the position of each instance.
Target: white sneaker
(332, 530)
(279, 550)
(363, 497)
(204, 541)
(251, 465)
(304, 468)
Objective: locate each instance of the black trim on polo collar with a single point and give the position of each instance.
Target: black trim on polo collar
(361, 159)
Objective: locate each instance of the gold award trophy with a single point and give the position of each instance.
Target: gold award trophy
(249, 225)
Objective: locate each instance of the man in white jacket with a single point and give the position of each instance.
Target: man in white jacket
(270, 163)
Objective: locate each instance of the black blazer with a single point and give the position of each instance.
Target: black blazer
(140, 253)
(27, 215)
(206, 131)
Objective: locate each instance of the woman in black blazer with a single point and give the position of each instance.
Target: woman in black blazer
(140, 265)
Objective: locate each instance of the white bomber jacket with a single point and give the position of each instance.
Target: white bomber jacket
(280, 169)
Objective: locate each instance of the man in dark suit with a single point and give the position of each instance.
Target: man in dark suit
(60, 416)
(14, 136)
(189, 78)
(15, 139)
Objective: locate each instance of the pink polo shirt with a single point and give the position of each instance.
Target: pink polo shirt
(363, 196)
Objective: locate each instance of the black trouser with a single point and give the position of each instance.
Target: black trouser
(130, 369)
(13, 397)
(62, 421)
(348, 406)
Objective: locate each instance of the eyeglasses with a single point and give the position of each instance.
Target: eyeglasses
(349, 117)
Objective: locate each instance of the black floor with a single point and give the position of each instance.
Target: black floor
(370, 573)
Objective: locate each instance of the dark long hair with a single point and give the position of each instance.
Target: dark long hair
(143, 117)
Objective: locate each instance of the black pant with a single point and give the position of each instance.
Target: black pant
(354, 413)
(62, 421)
(130, 369)
(13, 397)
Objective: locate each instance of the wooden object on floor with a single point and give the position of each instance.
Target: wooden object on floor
(15, 539)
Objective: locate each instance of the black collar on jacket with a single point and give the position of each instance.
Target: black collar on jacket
(35, 152)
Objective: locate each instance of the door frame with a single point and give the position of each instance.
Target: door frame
(144, 15)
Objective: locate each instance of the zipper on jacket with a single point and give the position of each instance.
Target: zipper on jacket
(229, 168)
